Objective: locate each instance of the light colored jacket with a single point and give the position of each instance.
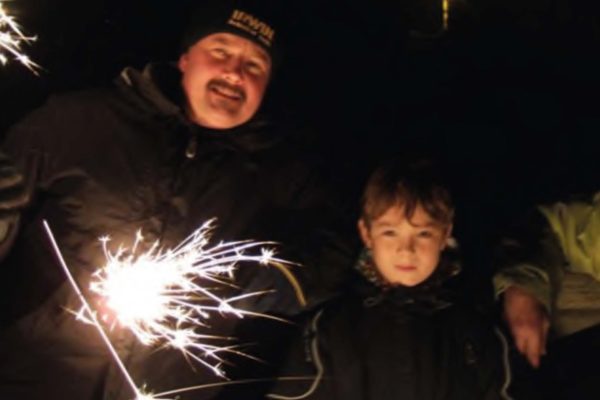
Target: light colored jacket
(560, 266)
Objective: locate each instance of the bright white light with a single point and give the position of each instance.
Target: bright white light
(165, 296)
(12, 40)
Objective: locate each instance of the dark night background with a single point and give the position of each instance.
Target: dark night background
(506, 97)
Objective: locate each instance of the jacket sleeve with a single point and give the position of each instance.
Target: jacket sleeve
(28, 146)
(308, 218)
(37, 143)
(20, 161)
(530, 257)
(14, 195)
(327, 249)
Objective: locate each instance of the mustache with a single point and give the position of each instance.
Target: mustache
(222, 84)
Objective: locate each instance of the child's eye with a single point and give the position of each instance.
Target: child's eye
(389, 233)
(425, 234)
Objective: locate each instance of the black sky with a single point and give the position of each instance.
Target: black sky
(508, 96)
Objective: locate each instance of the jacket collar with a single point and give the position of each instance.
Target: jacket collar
(429, 295)
(159, 86)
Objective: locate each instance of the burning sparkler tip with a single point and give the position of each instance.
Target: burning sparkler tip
(158, 295)
(267, 256)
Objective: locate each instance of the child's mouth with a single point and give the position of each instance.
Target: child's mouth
(406, 268)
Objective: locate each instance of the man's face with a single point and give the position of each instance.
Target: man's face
(405, 252)
(224, 80)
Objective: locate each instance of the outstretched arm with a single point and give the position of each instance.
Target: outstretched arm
(528, 265)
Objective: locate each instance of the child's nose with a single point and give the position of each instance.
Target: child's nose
(406, 244)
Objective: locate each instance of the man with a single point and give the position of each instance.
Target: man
(549, 279)
(165, 150)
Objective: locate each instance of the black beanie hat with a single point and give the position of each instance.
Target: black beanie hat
(250, 19)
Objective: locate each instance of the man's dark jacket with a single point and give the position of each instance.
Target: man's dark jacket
(114, 161)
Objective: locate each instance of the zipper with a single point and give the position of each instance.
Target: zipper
(191, 148)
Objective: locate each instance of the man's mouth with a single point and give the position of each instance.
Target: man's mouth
(226, 90)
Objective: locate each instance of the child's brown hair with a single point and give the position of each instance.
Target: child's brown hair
(409, 184)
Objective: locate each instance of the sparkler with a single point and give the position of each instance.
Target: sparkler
(157, 294)
(12, 40)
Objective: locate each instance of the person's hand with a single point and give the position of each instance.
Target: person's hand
(528, 323)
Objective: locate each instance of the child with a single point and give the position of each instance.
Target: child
(396, 332)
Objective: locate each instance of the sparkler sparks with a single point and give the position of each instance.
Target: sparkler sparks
(12, 40)
(161, 295)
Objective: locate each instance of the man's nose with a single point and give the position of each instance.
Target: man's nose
(233, 71)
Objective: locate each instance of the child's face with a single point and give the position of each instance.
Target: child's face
(405, 252)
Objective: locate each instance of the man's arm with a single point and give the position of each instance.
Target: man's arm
(14, 196)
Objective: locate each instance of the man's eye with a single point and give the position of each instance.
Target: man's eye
(254, 68)
(389, 233)
(219, 53)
